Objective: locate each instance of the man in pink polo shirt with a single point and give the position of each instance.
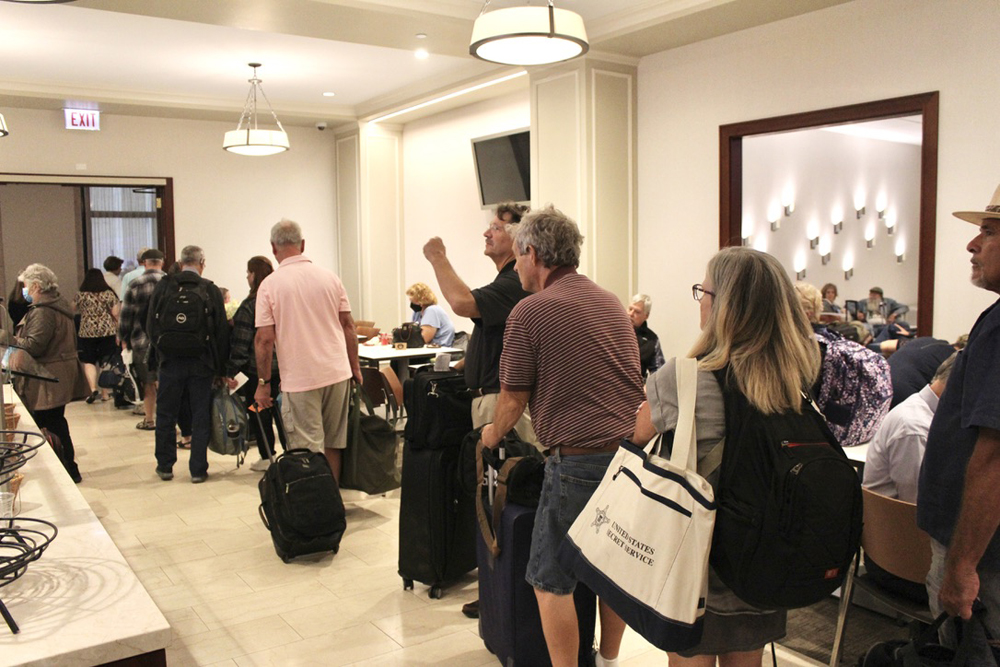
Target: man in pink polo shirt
(303, 309)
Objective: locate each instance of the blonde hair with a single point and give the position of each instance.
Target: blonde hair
(811, 301)
(421, 294)
(757, 329)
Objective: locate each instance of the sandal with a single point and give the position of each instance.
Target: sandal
(183, 445)
(146, 426)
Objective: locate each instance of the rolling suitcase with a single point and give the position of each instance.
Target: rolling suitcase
(437, 523)
(300, 502)
(509, 622)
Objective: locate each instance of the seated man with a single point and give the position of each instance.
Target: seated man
(650, 354)
(892, 466)
(879, 310)
(914, 364)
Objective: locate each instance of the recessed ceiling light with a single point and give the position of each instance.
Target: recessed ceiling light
(421, 35)
(421, 54)
(329, 94)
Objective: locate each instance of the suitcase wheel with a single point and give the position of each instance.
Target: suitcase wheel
(407, 584)
(435, 593)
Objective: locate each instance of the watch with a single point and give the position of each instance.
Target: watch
(262, 381)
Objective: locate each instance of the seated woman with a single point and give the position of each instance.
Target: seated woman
(435, 325)
(752, 326)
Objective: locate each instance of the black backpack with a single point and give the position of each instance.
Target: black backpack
(789, 506)
(183, 320)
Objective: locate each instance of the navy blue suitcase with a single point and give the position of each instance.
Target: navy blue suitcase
(508, 612)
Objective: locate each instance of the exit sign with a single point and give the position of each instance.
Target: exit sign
(82, 119)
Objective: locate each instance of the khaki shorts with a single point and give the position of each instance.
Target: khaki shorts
(317, 419)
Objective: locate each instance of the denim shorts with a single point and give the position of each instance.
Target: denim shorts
(569, 483)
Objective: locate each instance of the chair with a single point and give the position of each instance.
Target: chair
(892, 539)
(383, 388)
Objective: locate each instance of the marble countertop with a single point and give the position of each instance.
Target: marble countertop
(80, 603)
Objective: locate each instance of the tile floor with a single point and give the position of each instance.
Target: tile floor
(207, 561)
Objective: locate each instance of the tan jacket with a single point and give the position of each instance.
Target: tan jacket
(49, 335)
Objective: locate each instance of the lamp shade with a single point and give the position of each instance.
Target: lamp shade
(3, 127)
(528, 36)
(248, 141)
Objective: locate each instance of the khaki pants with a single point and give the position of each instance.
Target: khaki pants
(485, 406)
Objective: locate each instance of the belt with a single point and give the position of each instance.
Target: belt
(477, 393)
(564, 450)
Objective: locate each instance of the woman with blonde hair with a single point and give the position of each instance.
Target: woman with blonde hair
(435, 325)
(754, 329)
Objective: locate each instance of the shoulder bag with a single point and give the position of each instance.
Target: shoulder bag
(642, 541)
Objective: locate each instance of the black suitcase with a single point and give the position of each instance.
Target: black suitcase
(437, 523)
(438, 409)
(508, 611)
(300, 502)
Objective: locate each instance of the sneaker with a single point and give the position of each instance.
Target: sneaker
(165, 475)
(261, 465)
(471, 609)
(198, 479)
(139, 410)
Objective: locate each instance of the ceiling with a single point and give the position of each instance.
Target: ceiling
(187, 58)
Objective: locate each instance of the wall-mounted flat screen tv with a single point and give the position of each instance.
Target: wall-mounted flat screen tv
(503, 167)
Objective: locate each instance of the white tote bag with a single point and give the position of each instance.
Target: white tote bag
(642, 541)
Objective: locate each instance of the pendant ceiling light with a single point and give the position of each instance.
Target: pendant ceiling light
(3, 127)
(528, 35)
(247, 139)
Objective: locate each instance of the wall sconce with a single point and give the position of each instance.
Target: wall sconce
(890, 222)
(900, 251)
(788, 201)
(774, 216)
(812, 233)
(800, 266)
(824, 249)
(837, 219)
(881, 205)
(859, 203)
(848, 273)
(848, 266)
(746, 231)
(870, 236)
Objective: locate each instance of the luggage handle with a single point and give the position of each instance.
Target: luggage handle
(260, 423)
(263, 517)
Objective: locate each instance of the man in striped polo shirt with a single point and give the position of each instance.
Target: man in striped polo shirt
(570, 354)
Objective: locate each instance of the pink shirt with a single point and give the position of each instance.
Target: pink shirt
(303, 302)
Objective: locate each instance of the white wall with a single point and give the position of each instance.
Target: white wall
(822, 171)
(857, 52)
(224, 203)
(440, 195)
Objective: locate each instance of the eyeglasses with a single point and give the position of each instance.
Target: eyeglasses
(698, 292)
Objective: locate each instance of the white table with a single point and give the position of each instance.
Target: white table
(80, 603)
(857, 454)
(376, 354)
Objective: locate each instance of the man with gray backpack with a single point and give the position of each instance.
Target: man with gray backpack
(190, 343)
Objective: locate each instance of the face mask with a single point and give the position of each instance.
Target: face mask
(416, 307)
(27, 297)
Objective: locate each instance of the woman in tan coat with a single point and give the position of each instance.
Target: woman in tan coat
(48, 334)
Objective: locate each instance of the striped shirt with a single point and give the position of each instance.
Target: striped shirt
(573, 347)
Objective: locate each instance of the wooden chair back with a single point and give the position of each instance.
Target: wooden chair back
(892, 539)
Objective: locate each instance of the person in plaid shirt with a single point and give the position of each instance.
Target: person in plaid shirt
(132, 333)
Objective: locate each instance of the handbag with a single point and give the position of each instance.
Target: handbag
(924, 650)
(409, 333)
(229, 425)
(642, 541)
(369, 462)
(112, 371)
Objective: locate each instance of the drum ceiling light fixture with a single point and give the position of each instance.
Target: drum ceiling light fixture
(538, 35)
(247, 138)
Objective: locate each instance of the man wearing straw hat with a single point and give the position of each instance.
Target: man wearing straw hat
(959, 490)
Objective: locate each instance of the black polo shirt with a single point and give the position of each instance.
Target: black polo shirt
(494, 301)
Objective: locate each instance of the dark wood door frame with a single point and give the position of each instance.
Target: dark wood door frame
(926, 104)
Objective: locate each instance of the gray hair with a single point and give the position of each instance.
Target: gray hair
(138, 255)
(191, 255)
(943, 371)
(554, 236)
(41, 275)
(286, 232)
(645, 300)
